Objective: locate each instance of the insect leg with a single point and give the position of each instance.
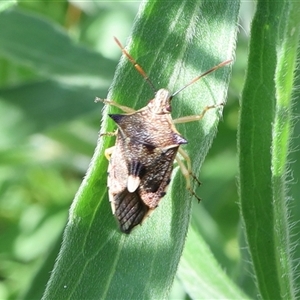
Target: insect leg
(189, 164)
(112, 103)
(109, 133)
(196, 117)
(108, 152)
(135, 64)
(187, 171)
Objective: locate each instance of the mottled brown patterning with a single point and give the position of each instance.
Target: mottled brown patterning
(141, 162)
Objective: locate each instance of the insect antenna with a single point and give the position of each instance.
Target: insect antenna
(136, 65)
(202, 75)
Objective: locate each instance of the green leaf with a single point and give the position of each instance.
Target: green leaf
(174, 42)
(200, 274)
(265, 130)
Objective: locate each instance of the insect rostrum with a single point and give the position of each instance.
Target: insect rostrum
(141, 162)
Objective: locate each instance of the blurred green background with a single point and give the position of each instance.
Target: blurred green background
(50, 124)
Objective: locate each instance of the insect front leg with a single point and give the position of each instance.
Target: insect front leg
(124, 108)
(187, 171)
(196, 117)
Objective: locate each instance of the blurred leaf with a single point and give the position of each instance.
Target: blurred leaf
(47, 103)
(96, 260)
(42, 276)
(7, 4)
(42, 45)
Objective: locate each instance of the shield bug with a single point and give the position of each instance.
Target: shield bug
(147, 143)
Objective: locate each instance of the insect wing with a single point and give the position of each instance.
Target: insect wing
(157, 178)
(128, 207)
(117, 173)
(130, 210)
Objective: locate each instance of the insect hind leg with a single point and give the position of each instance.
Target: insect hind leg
(187, 172)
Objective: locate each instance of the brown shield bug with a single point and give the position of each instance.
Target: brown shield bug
(147, 143)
